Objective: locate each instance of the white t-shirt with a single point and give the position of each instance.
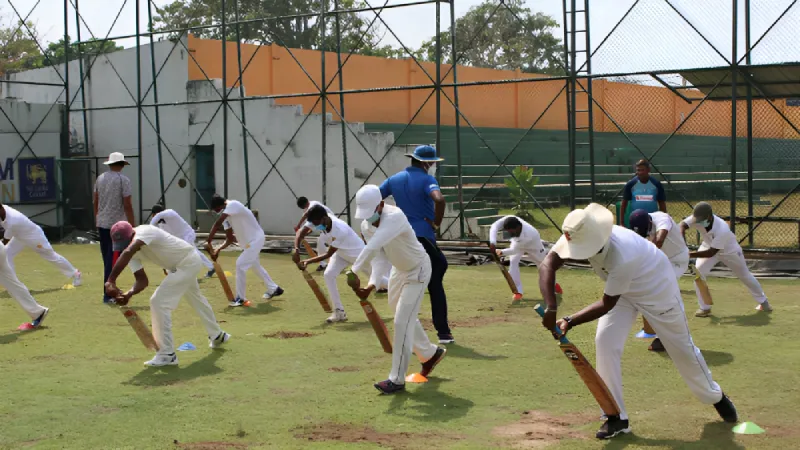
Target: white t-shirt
(312, 204)
(244, 223)
(161, 248)
(380, 262)
(634, 268)
(397, 239)
(674, 246)
(173, 223)
(528, 241)
(18, 225)
(343, 237)
(719, 236)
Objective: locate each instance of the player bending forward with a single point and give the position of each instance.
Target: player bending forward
(323, 240)
(390, 230)
(182, 263)
(525, 240)
(19, 292)
(171, 222)
(638, 279)
(719, 245)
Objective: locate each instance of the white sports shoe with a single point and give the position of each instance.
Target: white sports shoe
(76, 280)
(337, 316)
(218, 341)
(162, 360)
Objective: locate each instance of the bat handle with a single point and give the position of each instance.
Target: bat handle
(563, 339)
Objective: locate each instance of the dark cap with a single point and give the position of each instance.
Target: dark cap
(640, 222)
(425, 153)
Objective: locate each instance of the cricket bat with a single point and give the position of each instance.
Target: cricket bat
(223, 280)
(702, 286)
(507, 275)
(309, 250)
(140, 328)
(587, 373)
(312, 283)
(374, 318)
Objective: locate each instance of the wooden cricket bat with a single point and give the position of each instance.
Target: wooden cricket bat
(587, 373)
(312, 283)
(309, 250)
(702, 286)
(506, 275)
(140, 328)
(374, 318)
(223, 280)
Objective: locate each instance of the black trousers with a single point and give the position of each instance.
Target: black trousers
(436, 287)
(107, 250)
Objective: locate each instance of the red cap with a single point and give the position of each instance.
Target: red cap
(121, 235)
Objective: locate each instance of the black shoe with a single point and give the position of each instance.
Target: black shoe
(612, 427)
(657, 346)
(726, 409)
(382, 291)
(321, 268)
(446, 339)
(427, 366)
(389, 387)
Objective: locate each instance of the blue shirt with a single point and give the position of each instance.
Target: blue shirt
(644, 195)
(411, 190)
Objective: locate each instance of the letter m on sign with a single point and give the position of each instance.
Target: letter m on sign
(6, 171)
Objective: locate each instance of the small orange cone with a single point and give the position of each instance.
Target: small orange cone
(416, 378)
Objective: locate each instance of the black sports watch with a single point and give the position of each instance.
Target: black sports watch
(568, 319)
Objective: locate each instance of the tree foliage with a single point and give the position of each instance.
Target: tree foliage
(57, 53)
(18, 49)
(518, 188)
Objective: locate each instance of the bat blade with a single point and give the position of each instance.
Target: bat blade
(588, 375)
(312, 283)
(141, 329)
(702, 286)
(377, 325)
(309, 250)
(506, 275)
(223, 281)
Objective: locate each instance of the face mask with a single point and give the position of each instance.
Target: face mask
(705, 223)
(374, 218)
(321, 227)
(432, 170)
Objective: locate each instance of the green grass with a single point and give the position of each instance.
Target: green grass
(79, 382)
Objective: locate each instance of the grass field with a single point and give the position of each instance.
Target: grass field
(79, 383)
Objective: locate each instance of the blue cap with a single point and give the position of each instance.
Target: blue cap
(425, 153)
(640, 222)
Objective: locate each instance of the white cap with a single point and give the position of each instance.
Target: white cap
(116, 157)
(367, 199)
(586, 232)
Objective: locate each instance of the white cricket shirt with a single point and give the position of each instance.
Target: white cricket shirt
(719, 236)
(342, 236)
(528, 239)
(397, 239)
(18, 225)
(674, 246)
(244, 223)
(173, 223)
(160, 247)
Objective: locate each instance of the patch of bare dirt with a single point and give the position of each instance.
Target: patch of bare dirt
(351, 433)
(210, 445)
(781, 431)
(474, 322)
(287, 335)
(344, 369)
(537, 429)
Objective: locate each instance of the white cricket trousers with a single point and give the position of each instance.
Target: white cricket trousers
(43, 248)
(535, 253)
(668, 319)
(181, 283)
(191, 238)
(406, 290)
(17, 290)
(250, 259)
(737, 264)
(322, 247)
(381, 269)
(338, 262)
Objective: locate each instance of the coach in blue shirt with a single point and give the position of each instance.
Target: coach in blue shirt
(417, 194)
(643, 192)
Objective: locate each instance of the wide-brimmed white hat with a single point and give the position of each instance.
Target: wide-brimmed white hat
(586, 232)
(115, 158)
(367, 199)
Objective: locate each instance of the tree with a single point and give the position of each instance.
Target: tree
(300, 32)
(514, 38)
(56, 52)
(18, 50)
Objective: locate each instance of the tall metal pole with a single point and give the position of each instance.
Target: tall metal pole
(224, 30)
(163, 196)
(572, 102)
(65, 119)
(341, 109)
(589, 99)
(324, 101)
(139, 108)
(241, 103)
(80, 74)
(734, 75)
(749, 126)
(439, 78)
(453, 59)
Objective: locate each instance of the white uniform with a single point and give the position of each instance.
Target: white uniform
(730, 253)
(411, 272)
(17, 290)
(528, 243)
(381, 267)
(250, 236)
(674, 246)
(171, 222)
(323, 240)
(641, 275)
(348, 246)
(22, 233)
(182, 263)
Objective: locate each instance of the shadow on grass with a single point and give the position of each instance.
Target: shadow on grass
(9, 337)
(169, 375)
(5, 294)
(428, 404)
(713, 358)
(715, 435)
(757, 319)
(459, 351)
(256, 308)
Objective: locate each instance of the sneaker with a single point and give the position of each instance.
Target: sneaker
(237, 302)
(726, 409)
(321, 268)
(276, 293)
(389, 387)
(446, 339)
(516, 297)
(338, 316)
(109, 301)
(382, 291)
(76, 280)
(559, 291)
(702, 313)
(38, 321)
(221, 338)
(211, 273)
(657, 346)
(766, 307)
(427, 366)
(163, 360)
(612, 427)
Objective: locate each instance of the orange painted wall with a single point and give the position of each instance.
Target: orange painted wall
(274, 70)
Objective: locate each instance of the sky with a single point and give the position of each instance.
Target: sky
(652, 37)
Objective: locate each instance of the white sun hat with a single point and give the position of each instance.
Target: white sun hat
(586, 232)
(367, 199)
(115, 158)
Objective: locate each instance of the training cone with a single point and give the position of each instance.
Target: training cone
(26, 327)
(416, 378)
(247, 303)
(643, 335)
(185, 347)
(68, 286)
(748, 428)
